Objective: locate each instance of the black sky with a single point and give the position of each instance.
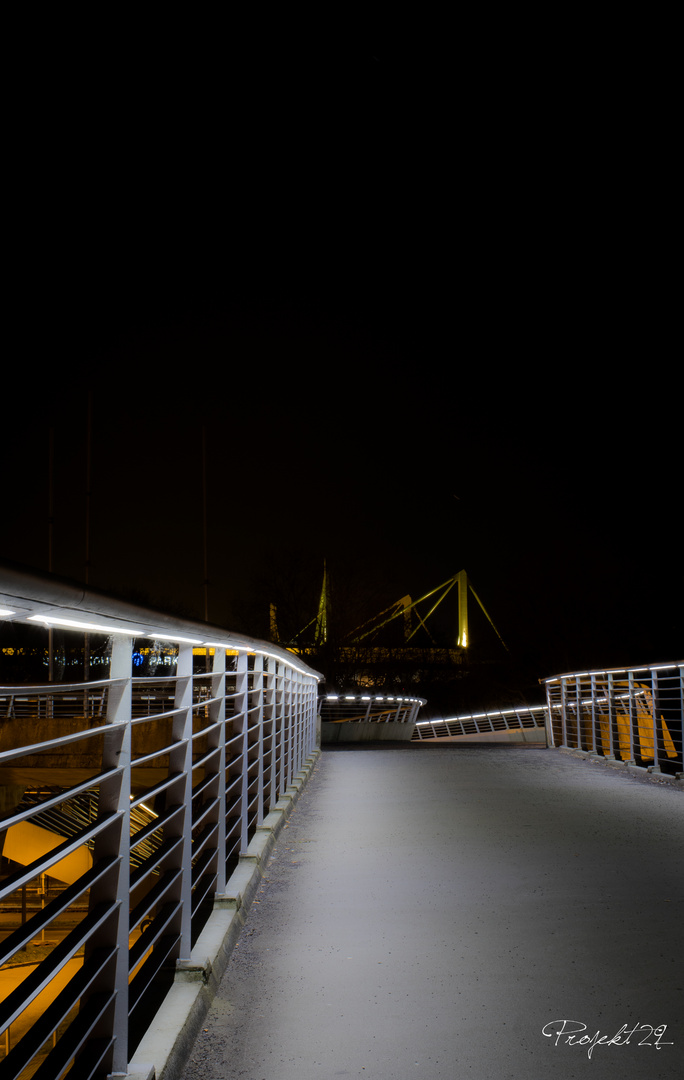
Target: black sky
(417, 343)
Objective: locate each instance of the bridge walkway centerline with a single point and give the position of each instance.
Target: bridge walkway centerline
(426, 915)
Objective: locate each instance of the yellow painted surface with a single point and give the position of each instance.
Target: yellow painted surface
(645, 731)
(24, 843)
(10, 978)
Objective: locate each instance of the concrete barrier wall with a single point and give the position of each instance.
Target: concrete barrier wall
(361, 732)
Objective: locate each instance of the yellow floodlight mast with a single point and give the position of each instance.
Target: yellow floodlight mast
(405, 606)
(463, 636)
(321, 634)
(468, 583)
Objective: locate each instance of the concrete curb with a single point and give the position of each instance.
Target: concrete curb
(168, 1043)
(638, 771)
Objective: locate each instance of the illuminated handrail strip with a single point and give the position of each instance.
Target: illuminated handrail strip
(628, 714)
(57, 689)
(259, 706)
(482, 723)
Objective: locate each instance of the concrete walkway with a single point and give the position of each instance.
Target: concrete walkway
(429, 911)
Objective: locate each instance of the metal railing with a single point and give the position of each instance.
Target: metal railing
(628, 714)
(369, 709)
(127, 804)
(484, 723)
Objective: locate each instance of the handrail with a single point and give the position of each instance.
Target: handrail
(200, 795)
(368, 708)
(483, 723)
(633, 714)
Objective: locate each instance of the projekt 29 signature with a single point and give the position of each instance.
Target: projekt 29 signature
(574, 1033)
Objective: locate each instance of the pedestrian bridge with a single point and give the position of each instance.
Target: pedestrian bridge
(139, 809)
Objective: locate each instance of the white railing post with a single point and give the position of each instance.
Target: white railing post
(114, 842)
(218, 690)
(578, 712)
(593, 712)
(280, 722)
(564, 718)
(242, 728)
(681, 713)
(299, 720)
(550, 740)
(632, 713)
(287, 723)
(180, 761)
(654, 720)
(612, 722)
(257, 716)
(271, 701)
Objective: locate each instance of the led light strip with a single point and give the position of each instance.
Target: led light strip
(73, 624)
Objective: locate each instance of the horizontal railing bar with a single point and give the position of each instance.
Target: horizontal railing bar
(200, 866)
(152, 861)
(57, 689)
(158, 753)
(42, 1028)
(209, 779)
(153, 932)
(149, 970)
(135, 720)
(210, 808)
(205, 703)
(51, 744)
(152, 827)
(152, 898)
(23, 934)
(201, 841)
(63, 796)
(155, 680)
(206, 731)
(236, 780)
(17, 1000)
(200, 895)
(75, 1037)
(88, 1065)
(42, 865)
(156, 790)
(201, 762)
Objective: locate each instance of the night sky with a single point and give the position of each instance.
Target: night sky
(417, 343)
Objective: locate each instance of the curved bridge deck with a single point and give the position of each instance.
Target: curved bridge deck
(428, 912)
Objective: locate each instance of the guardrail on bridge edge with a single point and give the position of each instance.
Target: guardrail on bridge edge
(180, 782)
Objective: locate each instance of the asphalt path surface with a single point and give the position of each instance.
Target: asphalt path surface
(429, 913)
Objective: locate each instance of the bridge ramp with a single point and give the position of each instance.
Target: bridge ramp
(428, 912)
